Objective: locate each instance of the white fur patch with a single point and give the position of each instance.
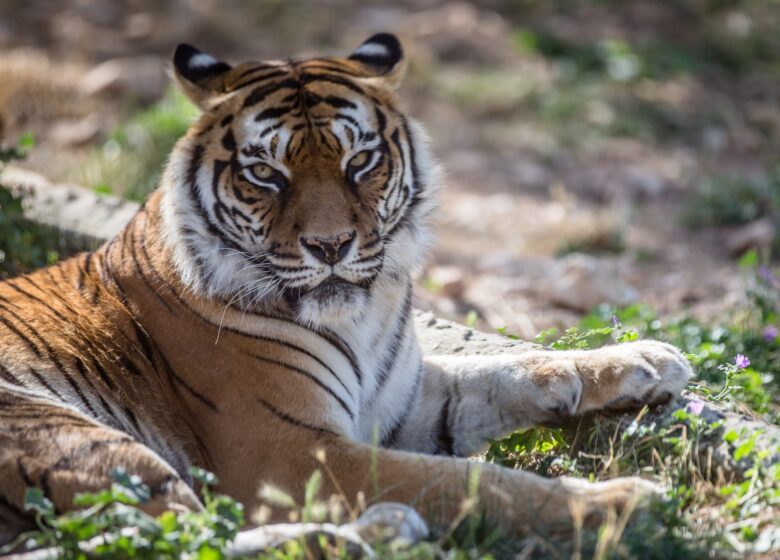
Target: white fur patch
(202, 60)
(372, 49)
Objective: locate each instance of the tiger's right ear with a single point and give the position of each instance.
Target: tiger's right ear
(382, 56)
(200, 75)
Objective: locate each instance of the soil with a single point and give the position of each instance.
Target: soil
(538, 222)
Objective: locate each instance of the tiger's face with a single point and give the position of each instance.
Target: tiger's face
(301, 182)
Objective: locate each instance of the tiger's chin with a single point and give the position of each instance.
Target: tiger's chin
(331, 303)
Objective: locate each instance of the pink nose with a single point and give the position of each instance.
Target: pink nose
(329, 250)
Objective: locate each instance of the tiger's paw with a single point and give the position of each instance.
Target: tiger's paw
(631, 375)
(621, 495)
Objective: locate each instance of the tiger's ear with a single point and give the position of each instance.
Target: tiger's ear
(382, 57)
(200, 75)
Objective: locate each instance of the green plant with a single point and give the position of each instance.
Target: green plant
(110, 525)
(723, 201)
(130, 161)
(24, 245)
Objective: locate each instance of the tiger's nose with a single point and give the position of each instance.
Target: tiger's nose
(329, 250)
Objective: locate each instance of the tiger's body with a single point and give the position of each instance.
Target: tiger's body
(258, 309)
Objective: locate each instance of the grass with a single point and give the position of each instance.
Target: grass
(131, 159)
(24, 246)
(728, 201)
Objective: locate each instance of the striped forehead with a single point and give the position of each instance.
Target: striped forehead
(304, 111)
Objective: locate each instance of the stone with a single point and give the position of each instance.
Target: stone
(581, 282)
(75, 133)
(447, 280)
(143, 77)
(758, 234)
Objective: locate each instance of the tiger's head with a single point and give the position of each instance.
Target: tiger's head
(302, 182)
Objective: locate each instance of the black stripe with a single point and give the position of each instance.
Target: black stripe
(391, 353)
(9, 377)
(199, 396)
(260, 93)
(272, 113)
(23, 474)
(314, 379)
(194, 191)
(443, 433)
(309, 78)
(284, 343)
(52, 356)
(43, 382)
(133, 420)
(256, 68)
(256, 79)
(139, 269)
(392, 436)
(19, 334)
(341, 345)
(294, 421)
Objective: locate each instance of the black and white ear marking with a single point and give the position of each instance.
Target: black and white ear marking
(196, 66)
(200, 74)
(382, 53)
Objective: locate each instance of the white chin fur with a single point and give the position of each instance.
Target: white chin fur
(346, 304)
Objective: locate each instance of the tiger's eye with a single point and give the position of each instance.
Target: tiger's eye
(263, 171)
(359, 160)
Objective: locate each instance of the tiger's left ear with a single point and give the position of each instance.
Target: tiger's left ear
(200, 75)
(382, 57)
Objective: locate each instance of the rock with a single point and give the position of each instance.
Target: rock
(142, 77)
(447, 281)
(581, 282)
(84, 217)
(759, 234)
(74, 134)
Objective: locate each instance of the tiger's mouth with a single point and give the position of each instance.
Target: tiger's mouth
(333, 290)
(330, 288)
(331, 301)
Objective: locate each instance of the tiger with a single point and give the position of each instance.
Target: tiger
(255, 319)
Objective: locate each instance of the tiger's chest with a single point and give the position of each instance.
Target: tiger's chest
(236, 376)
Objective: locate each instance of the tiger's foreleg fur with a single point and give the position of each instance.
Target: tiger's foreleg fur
(439, 487)
(54, 447)
(466, 400)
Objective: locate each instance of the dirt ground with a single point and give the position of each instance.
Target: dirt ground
(570, 164)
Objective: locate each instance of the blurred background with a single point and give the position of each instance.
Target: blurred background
(600, 154)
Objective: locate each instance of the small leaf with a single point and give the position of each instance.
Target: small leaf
(34, 500)
(744, 449)
(730, 436)
(749, 259)
(203, 476)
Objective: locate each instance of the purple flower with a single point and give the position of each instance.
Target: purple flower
(615, 321)
(765, 273)
(741, 361)
(770, 333)
(695, 407)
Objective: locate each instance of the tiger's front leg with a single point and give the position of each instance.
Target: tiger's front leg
(54, 447)
(466, 400)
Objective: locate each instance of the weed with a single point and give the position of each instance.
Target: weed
(24, 246)
(725, 201)
(130, 161)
